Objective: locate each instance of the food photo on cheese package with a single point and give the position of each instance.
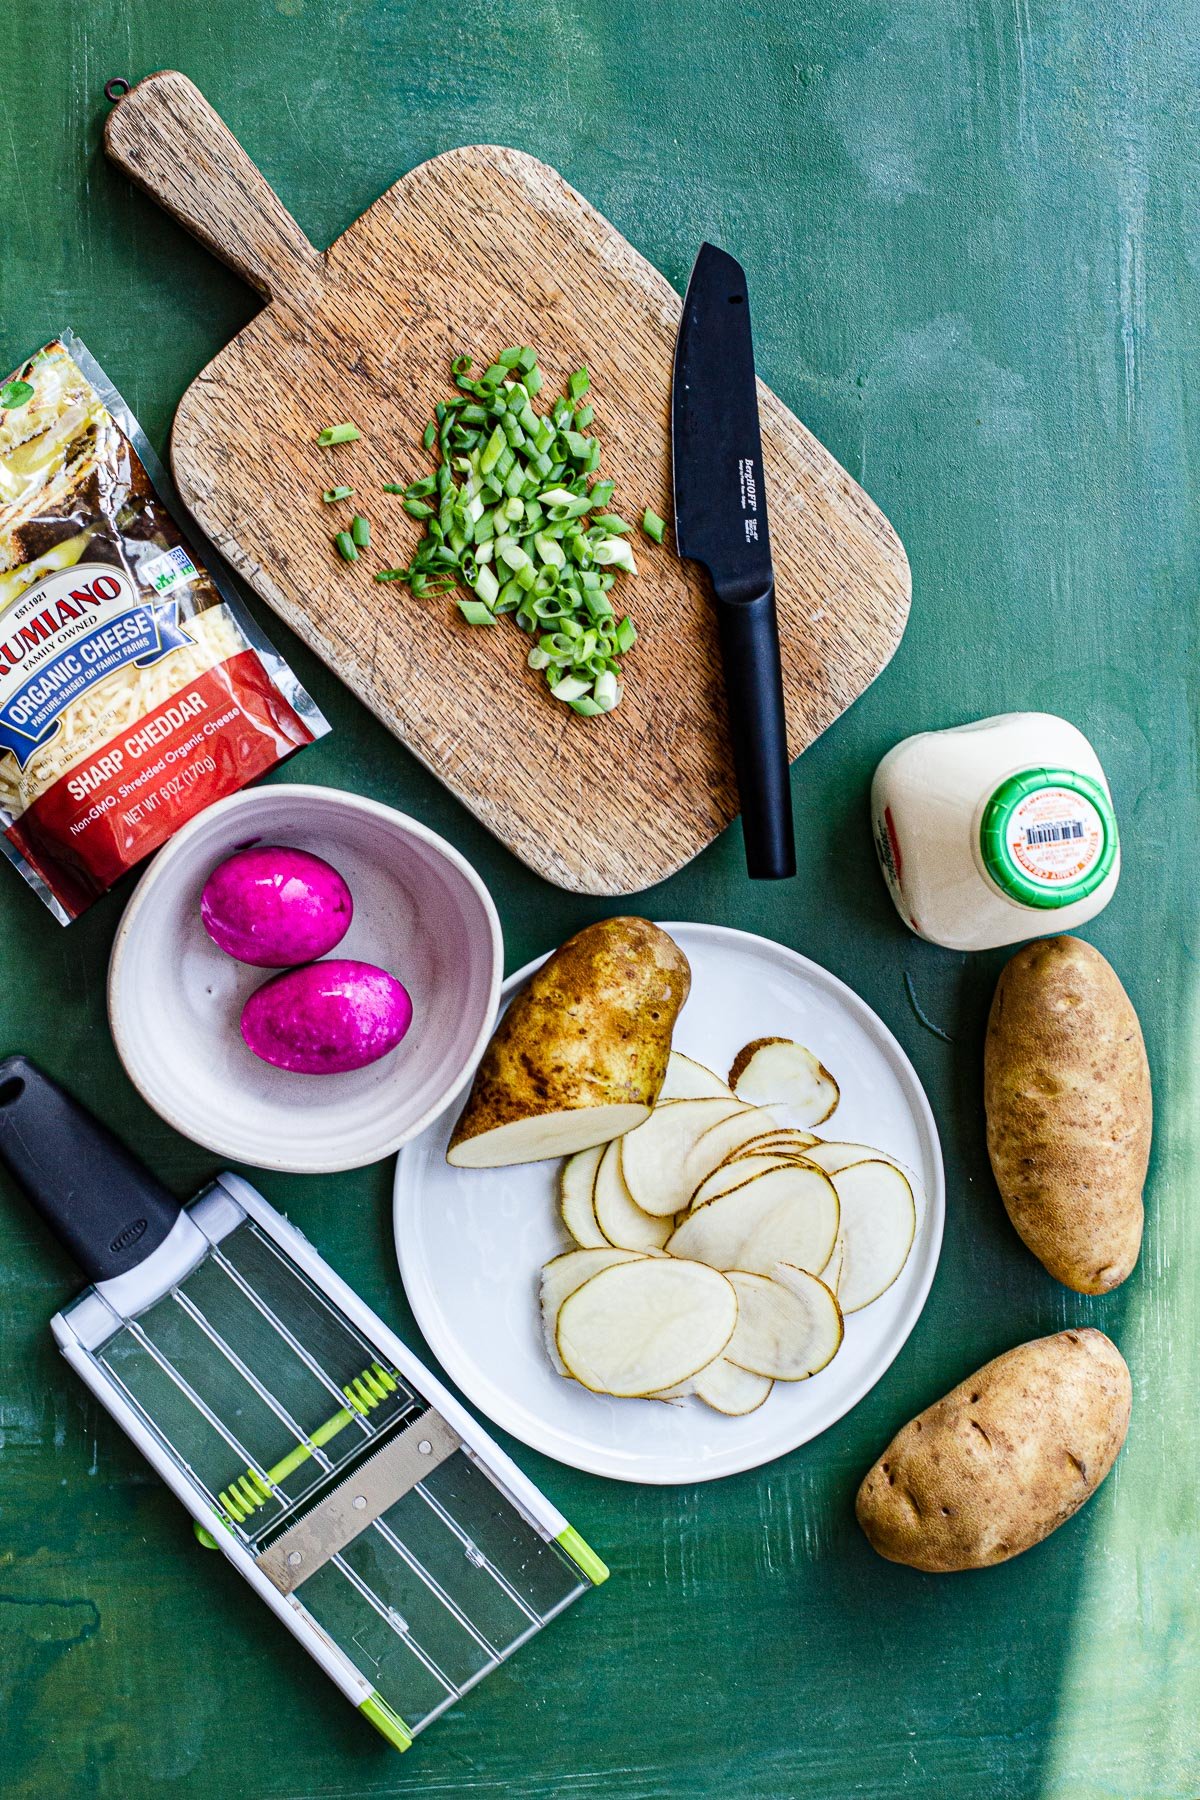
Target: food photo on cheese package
(134, 688)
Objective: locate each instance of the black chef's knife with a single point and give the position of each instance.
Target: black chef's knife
(721, 521)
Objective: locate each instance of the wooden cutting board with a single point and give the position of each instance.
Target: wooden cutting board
(476, 249)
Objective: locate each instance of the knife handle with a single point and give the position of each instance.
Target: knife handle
(758, 730)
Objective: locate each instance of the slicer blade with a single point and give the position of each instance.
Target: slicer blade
(356, 1502)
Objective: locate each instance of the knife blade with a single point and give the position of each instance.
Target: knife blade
(721, 523)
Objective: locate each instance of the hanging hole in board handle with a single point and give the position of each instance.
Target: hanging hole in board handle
(116, 88)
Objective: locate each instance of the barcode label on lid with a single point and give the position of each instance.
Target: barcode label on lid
(1055, 836)
(1057, 831)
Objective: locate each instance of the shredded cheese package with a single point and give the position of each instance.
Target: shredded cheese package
(134, 689)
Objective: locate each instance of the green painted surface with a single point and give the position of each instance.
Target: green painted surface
(971, 233)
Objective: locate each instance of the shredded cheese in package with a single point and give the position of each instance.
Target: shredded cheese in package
(134, 690)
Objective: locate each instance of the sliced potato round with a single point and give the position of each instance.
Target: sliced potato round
(653, 1157)
(831, 1274)
(674, 1396)
(797, 1143)
(787, 1214)
(621, 1221)
(576, 1180)
(878, 1224)
(686, 1079)
(728, 1389)
(737, 1171)
(645, 1324)
(778, 1072)
(833, 1157)
(722, 1139)
(789, 1324)
(561, 1276)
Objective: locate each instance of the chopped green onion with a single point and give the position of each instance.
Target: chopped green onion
(511, 553)
(508, 514)
(332, 494)
(550, 552)
(487, 588)
(360, 531)
(344, 544)
(394, 487)
(493, 450)
(14, 394)
(616, 551)
(653, 526)
(337, 434)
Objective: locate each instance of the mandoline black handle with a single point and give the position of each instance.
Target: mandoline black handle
(100, 1201)
(758, 731)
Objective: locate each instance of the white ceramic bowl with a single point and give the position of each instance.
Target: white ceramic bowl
(175, 1000)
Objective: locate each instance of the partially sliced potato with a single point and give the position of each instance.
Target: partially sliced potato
(576, 1179)
(789, 1324)
(737, 1172)
(561, 1276)
(580, 1054)
(779, 1072)
(878, 1224)
(787, 1214)
(686, 1079)
(653, 1157)
(621, 1221)
(728, 1389)
(723, 1139)
(539, 1136)
(645, 1324)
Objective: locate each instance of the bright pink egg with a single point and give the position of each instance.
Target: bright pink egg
(274, 907)
(327, 1018)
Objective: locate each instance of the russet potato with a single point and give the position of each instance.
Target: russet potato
(1004, 1459)
(1067, 1096)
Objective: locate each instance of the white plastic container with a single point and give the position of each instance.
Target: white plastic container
(996, 832)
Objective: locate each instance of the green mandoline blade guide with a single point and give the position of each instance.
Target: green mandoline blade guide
(398, 1543)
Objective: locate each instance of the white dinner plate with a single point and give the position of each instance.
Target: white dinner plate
(471, 1242)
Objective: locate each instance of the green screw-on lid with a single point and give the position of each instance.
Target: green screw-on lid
(1048, 837)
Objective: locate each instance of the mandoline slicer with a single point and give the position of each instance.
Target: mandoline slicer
(390, 1535)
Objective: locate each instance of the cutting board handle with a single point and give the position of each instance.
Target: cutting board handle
(167, 138)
